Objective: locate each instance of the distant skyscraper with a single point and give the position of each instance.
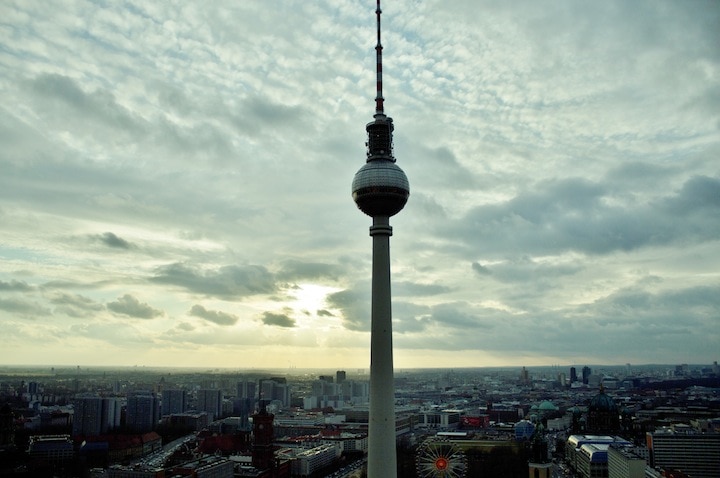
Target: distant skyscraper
(112, 412)
(573, 375)
(524, 375)
(87, 415)
(380, 190)
(210, 401)
(586, 372)
(174, 401)
(143, 412)
(93, 415)
(247, 389)
(340, 376)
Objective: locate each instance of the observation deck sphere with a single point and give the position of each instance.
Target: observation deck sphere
(380, 188)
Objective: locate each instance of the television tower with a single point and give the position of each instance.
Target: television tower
(380, 190)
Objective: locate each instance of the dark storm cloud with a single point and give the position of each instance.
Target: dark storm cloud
(218, 317)
(15, 286)
(480, 269)
(578, 215)
(112, 240)
(278, 320)
(442, 168)
(294, 270)
(461, 315)
(259, 112)
(130, 306)
(410, 289)
(410, 318)
(24, 308)
(698, 196)
(683, 304)
(525, 269)
(75, 305)
(99, 105)
(628, 175)
(228, 282)
(427, 205)
(355, 307)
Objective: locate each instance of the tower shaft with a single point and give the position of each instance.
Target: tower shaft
(382, 461)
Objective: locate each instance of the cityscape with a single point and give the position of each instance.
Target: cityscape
(174, 223)
(578, 421)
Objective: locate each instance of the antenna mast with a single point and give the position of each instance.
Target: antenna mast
(379, 110)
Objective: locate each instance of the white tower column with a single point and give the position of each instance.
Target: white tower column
(382, 461)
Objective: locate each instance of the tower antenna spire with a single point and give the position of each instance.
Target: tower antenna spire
(379, 110)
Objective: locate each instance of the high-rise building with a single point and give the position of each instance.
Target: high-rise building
(380, 190)
(210, 401)
(586, 372)
(275, 389)
(573, 375)
(174, 401)
(697, 454)
(524, 375)
(87, 415)
(340, 376)
(623, 462)
(247, 389)
(143, 412)
(112, 414)
(93, 415)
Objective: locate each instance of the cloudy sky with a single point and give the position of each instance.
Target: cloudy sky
(175, 182)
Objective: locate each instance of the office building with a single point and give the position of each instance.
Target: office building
(93, 415)
(623, 462)
(143, 412)
(87, 416)
(247, 389)
(695, 453)
(50, 449)
(210, 401)
(174, 401)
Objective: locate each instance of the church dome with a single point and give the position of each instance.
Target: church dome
(547, 406)
(602, 403)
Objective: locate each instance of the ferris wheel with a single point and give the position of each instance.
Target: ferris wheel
(440, 458)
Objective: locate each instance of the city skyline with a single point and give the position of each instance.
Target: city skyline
(174, 183)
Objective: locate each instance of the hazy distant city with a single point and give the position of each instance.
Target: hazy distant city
(568, 421)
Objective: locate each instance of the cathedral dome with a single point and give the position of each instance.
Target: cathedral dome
(602, 403)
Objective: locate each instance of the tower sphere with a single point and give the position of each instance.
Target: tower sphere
(380, 188)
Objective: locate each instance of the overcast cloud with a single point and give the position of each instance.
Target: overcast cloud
(175, 182)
